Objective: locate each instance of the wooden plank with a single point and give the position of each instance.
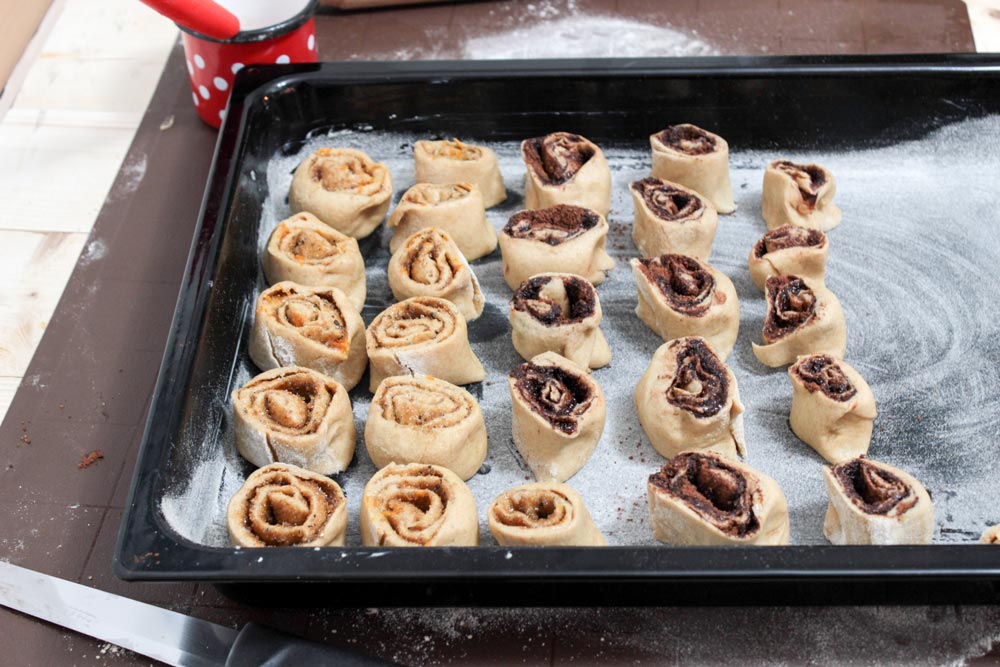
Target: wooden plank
(19, 21)
(8, 387)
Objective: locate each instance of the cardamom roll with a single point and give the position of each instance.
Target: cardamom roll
(455, 208)
(799, 195)
(558, 415)
(833, 408)
(315, 327)
(294, 415)
(876, 503)
(303, 250)
(283, 505)
(991, 535)
(561, 313)
(697, 159)
(670, 218)
(566, 168)
(704, 499)
(418, 505)
(422, 419)
(801, 319)
(422, 335)
(429, 263)
(563, 238)
(453, 161)
(789, 251)
(688, 399)
(344, 188)
(542, 514)
(682, 296)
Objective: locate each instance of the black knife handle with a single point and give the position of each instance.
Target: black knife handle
(257, 645)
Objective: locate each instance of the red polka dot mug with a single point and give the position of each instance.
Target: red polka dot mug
(213, 63)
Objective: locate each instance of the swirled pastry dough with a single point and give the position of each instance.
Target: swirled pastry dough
(453, 161)
(788, 251)
(991, 535)
(344, 188)
(429, 263)
(799, 195)
(542, 514)
(697, 159)
(670, 218)
(801, 319)
(565, 168)
(454, 208)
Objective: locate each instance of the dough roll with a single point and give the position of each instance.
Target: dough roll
(543, 514)
(454, 208)
(703, 499)
(344, 188)
(833, 408)
(688, 400)
(453, 161)
(682, 296)
(422, 419)
(429, 263)
(303, 250)
(696, 159)
(561, 313)
(670, 218)
(558, 419)
(294, 415)
(788, 251)
(315, 327)
(281, 505)
(565, 168)
(801, 319)
(418, 505)
(799, 195)
(563, 238)
(422, 336)
(875, 503)
(991, 535)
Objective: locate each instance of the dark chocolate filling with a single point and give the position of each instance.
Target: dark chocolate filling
(718, 492)
(666, 201)
(687, 139)
(559, 396)
(554, 225)
(581, 300)
(701, 384)
(555, 158)
(821, 372)
(788, 236)
(808, 177)
(684, 282)
(790, 305)
(873, 489)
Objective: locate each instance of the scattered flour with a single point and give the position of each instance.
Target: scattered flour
(96, 249)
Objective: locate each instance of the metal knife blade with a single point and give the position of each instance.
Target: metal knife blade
(167, 636)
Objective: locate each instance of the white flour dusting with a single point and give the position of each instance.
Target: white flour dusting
(913, 264)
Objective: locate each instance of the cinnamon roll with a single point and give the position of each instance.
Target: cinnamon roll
(801, 319)
(799, 195)
(303, 250)
(562, 238)
(833, 408)
(565, 168)
(315, 327)
(697, 159)
(787, 251)
(542, 514)
(418, 505)
(688, 400)
(422, 335)
(430, 264)
(559, 312)
(672, 218)
(453, 161)
(704, 499)
(282, 505)
(294, 415)
(682, 296)
(559, 414)
(455, 208)
(875, 503)
(422, 419)
(344, 188)
(991, 535)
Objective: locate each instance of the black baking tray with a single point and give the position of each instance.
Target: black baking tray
(812, 102)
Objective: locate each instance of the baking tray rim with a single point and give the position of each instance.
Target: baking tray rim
(133, 561)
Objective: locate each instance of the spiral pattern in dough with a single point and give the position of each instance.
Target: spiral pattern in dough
(542, 514)
(430, 264)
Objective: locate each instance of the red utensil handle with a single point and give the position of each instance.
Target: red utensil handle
(202, 16)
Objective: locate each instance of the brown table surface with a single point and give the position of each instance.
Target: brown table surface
(90, 381)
